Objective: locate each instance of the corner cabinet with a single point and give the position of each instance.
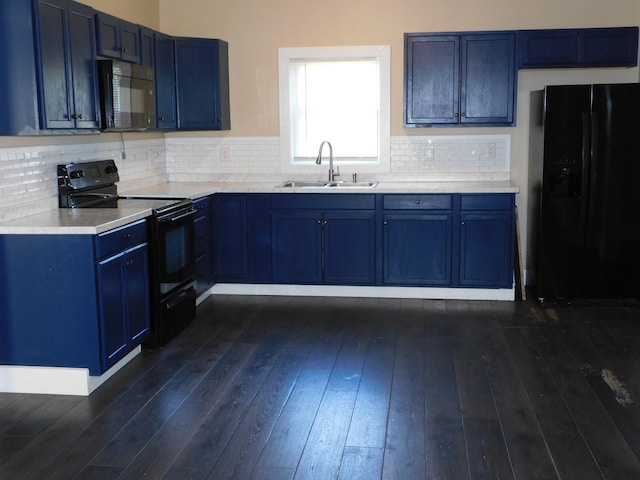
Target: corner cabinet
(202, 75)
(460, 79)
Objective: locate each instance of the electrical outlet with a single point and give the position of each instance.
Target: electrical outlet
(491, 150)
(224, 154)
(429, 151)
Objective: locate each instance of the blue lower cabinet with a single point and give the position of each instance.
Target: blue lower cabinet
(323, 247)
(417, 248)
(92, 293)
(486, 249)
(123, 298)
(323, 239)
(296, 250)
(231, 244)
(487, 238)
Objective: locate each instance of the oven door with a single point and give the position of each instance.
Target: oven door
(176, 256)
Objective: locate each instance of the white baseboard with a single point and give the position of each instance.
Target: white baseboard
(507, 294)
(56, 380)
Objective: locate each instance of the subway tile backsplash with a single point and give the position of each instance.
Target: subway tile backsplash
(28, 174)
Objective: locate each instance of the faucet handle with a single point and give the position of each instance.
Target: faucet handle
(336, 172)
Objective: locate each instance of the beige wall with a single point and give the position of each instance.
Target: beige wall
(144, 12)
(256, 28)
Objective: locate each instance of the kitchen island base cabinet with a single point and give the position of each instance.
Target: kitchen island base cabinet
(74, 301)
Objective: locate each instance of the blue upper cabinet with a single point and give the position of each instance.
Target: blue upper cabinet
(147, 47)
(459, 79)
(66, 52)
(578, 48)
(202, 73)
(165, 69)
(118, 38)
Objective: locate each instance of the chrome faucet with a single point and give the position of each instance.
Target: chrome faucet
(332, 173)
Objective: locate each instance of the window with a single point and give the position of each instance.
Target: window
(338, 94)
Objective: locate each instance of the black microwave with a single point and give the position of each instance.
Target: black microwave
(127, 96)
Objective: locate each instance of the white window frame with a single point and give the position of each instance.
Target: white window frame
(382, 164)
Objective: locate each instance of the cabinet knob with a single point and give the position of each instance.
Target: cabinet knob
(418, 201)
(455, 115)
(462, 223)
(127, 236)
(462, 114)
(77, 116)
(386, 222)
(319, 222)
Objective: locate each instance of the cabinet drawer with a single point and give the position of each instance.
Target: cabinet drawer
(493, 201)
(417, 202)
(120, 239)
(324, 201)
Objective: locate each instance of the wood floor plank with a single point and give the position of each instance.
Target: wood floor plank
(525, 442)
(404, 453)
(562, 436)
(243, 450)
(323, 451)
(212, 436)
(368, 426)
(157, 457)
(592, 415)
(361, 463)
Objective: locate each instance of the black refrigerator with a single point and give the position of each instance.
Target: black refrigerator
(584, 186)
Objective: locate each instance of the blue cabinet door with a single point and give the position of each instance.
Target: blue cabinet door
(296, 246)
(349, 248)
(68, 78)
(165, 65)
(417, 248)
(137, 295)
(459, 79)
(124, 311)
(432, 72)
(202, 75)
(113, 327)
(488, 76)
(578, 48)
(204, 239)
(231, 239)
(117, 38)
(147, 48)
(486, 249)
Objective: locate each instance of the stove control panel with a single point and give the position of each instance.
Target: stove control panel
(77, 176)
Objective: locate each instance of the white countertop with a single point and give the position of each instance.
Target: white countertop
(97, 220)
(90, 221)
(197, 190)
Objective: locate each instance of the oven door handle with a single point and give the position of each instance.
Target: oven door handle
(170, 218)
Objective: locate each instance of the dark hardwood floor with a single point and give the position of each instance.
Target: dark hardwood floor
(338, 388)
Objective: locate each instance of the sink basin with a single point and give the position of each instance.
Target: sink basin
(303, 184)
(321, 184)
(352, 185)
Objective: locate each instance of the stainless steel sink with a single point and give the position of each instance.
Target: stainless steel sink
(352, 185)
(324, 184)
